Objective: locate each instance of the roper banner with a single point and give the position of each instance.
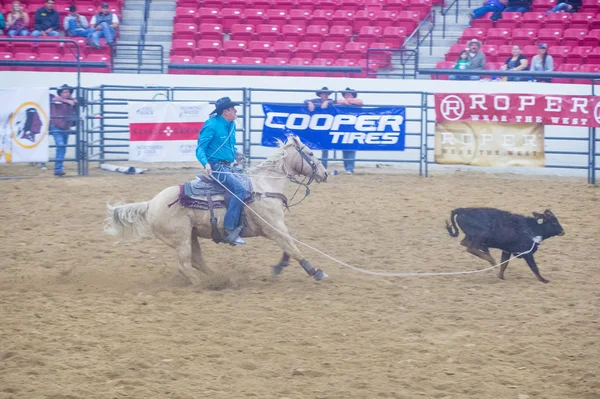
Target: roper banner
(165, 131)
(548, 109)
(24, 124)
(489, 144)
(337, 127)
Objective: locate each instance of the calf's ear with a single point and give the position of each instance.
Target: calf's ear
(548, 212)
(537, 215)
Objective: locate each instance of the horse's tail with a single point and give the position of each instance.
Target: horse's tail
(127, 221)
(449, 227)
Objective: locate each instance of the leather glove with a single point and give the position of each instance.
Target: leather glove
(239, 157)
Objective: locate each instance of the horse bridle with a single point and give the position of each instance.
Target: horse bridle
(311, 178)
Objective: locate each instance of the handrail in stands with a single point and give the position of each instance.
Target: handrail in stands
(446, 11)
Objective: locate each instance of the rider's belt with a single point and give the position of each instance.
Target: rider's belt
(227, 163)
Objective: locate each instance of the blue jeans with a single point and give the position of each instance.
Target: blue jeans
(107, 32)
(74, 30)
(481, 11)
(234, 210)
(349, 157)
(559, 7)
(61, 139)
(516, 9)
(37, 33)
(22, 32)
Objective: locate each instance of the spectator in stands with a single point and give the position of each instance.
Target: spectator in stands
(350, 99)
(518, 6)
(493, 6)
(542, 62)
(63, 116)
(476, 57)
(566, 6)
(463, 63)
(105, 24)
(2, 24)
(76, 24)
(46, 21)
(322, 101)
(17, 21)
(517, 62)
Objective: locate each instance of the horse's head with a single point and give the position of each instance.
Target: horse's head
(302, 161)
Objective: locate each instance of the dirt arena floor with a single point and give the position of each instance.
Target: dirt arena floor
(83, 316)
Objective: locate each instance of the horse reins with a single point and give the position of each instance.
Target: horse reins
(293, 179)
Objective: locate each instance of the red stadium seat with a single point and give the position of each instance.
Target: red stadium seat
(566, 68)
(340, 34)
(252, 61)
(557, 20)
(329, 5)
(204, 60)
(540, 6)
(300, 17)
(260, 49)
(277, 17)
(309, 5)
(369, 34)
(490, 51)
(524, 36)
(591, 68)
(50, 48)
(292, 33)
(322, 17)
(342, 17)
(395, 5)
(594, 56)
(529, 51)
(573, 37)
(316, 33)
(534, 20)
(560, 53)
(286, 5)
(498, 36)
(228, 61)
(394, 35)
(504, 51)
(483, 23)
(229, 17)
(510, 20)
(210, 48)
(590, 6)
(187, 31)
(267, 33)
(186, 15)
(275, 61)
(351, 5)
(443, 65)
(210, 32)
(331, 50)
(183, 47)
(454, 52)
(355, 50)
(49, 58)
(6, 56)
(472, 33)
(235, 48)
(307, 50)
(581, 20)
(363, 18)
(284, 49)
(550, 36)
(255, 16)
(580, 54)
(25, 57)
(592, 38)
(179, 59)
(97, 58)
(299, 62)
(243, 32)
(494, 66)
(207, 15)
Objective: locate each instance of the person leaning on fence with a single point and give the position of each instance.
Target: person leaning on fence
(46, 21)
(17, 21)
(105, 24)
(76, 24)
(476, 57)
(542, 62)
(322, 101)
(216, 151)
(516, 62)
(462, 64)
(63, 116)
(350, 99)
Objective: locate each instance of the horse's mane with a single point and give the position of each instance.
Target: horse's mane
(275, 159)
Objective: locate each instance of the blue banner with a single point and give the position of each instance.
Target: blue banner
(337, 127)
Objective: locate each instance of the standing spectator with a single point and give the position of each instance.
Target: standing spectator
(517, 62)
(476, 57)
(46, 21)
(63, 116)
(17, 21)
(350, 99)
(462, 64)
(76, 24)
(105, 24)
(518, 6)
(542, 62)
(570, 6)
(493, 6)
(322, 101)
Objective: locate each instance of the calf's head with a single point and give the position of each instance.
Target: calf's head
(549, 223)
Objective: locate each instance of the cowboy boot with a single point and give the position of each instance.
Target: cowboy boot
(233, 236)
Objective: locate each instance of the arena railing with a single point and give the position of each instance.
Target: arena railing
(428, 25)
(446, 11)
(139, 58)
(266, 68)
(400, 63)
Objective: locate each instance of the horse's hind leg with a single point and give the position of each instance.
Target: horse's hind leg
(291, 250)
(283, 263)
(197, 258)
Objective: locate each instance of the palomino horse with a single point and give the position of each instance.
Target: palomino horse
(180, 227)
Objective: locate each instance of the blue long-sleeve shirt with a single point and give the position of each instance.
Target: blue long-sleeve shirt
(216, 141)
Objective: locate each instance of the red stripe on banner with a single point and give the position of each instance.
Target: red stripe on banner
(164, 131)
(548, 109)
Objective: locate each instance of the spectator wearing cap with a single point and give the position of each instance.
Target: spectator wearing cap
(63, 116)
(17, 21)
(542, 62)
(322, 101)
(46, 21)
(104, 23)
(493, 6)
(569, 6)
(76, 24)
(476, 57)
(350, 98)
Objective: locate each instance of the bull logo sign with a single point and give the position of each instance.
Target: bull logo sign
(24, 125)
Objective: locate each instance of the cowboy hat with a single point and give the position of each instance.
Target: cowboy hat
(325, 90)
(351, 91)
(64, 87)
(223, 103)
(477, 42)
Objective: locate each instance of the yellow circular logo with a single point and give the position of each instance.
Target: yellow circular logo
(29, 125)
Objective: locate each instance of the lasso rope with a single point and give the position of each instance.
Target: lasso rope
(382, 274)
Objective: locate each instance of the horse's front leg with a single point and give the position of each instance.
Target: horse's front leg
(290, 249)
(283, 263)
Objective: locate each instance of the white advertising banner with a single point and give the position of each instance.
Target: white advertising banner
(165, 131)
(24, 123)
